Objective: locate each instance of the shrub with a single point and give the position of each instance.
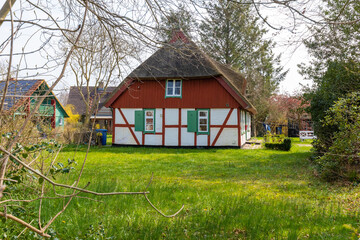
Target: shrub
(284, 146)
(342, 158)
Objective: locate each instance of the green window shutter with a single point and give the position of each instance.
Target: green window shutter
(139, 120)
(192, 121)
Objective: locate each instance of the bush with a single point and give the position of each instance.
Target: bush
(342, 158)
(284, 146)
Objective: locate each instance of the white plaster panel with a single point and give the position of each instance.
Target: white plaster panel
(218, 116)
(124, 136)
(158, 120)
(152, 139)
(228, 137)
(233, 118)
(118, 118)
(213, 133)
(187, 138)
(201, 140)
(171, 137)
(138, 135)
(243, 139)
(171, 116)
(242, 122)
(184, 115)
(129, 114)
(249, 126)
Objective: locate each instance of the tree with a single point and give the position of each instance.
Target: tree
(336, 41)
(340, 79)
(233, 35)
(285, 107)
(28, 161)
(341, 160)
(335, 70)
(180, 18)
(97, 63)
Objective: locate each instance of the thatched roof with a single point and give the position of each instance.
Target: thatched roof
(181, 58)
(76, 99)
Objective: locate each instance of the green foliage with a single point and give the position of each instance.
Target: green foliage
(24, 184)
(335, 70)
(342, 158)
(340, 79)
(284, 145)
(274, 138)
(181, 18)
(233, 35)
(333, 42)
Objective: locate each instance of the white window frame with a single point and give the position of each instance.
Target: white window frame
(149, 117)
(203, 117)
(173, 88)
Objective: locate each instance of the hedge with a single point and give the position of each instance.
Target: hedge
(284, 146)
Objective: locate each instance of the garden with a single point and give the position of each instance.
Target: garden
(226, 193)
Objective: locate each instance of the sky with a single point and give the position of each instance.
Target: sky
(288, 44)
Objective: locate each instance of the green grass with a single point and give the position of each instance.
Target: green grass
(227, 193)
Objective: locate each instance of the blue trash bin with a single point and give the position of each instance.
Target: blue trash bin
(103, 137)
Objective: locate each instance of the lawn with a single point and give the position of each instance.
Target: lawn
(227, 193)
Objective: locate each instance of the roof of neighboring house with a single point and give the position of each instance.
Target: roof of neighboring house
(77, 100)
(181, 58)
(19, 91)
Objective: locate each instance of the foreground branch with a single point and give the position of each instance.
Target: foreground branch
(41, 233)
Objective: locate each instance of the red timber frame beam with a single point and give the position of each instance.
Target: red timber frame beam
(222, 127)
(239, 126)
(53, 118)
(129, 126)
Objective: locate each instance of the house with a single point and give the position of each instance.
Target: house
(288, 115)
(103, 116)
(181, 97)
(22, 97)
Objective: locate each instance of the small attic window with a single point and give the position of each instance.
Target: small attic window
(173, 88)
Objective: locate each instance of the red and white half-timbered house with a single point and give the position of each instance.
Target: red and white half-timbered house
(181, 97)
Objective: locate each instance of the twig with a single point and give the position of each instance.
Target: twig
(25, 229)
(162, 214)
(41, 233)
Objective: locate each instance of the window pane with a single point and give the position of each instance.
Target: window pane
(177, 83)
(149, 121)
(169, 91)
(149, 127)
(203, 128)
(149, 113)
(170, 83)
(203, 121)
(177, 91)
(203, 114)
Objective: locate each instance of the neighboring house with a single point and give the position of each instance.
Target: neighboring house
(22, 97)
(288, 115)
(181, 97)
(104, 115)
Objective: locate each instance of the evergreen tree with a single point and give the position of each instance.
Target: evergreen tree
(336, 41)
(180, 18)
(335, 70)
(233, 35)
